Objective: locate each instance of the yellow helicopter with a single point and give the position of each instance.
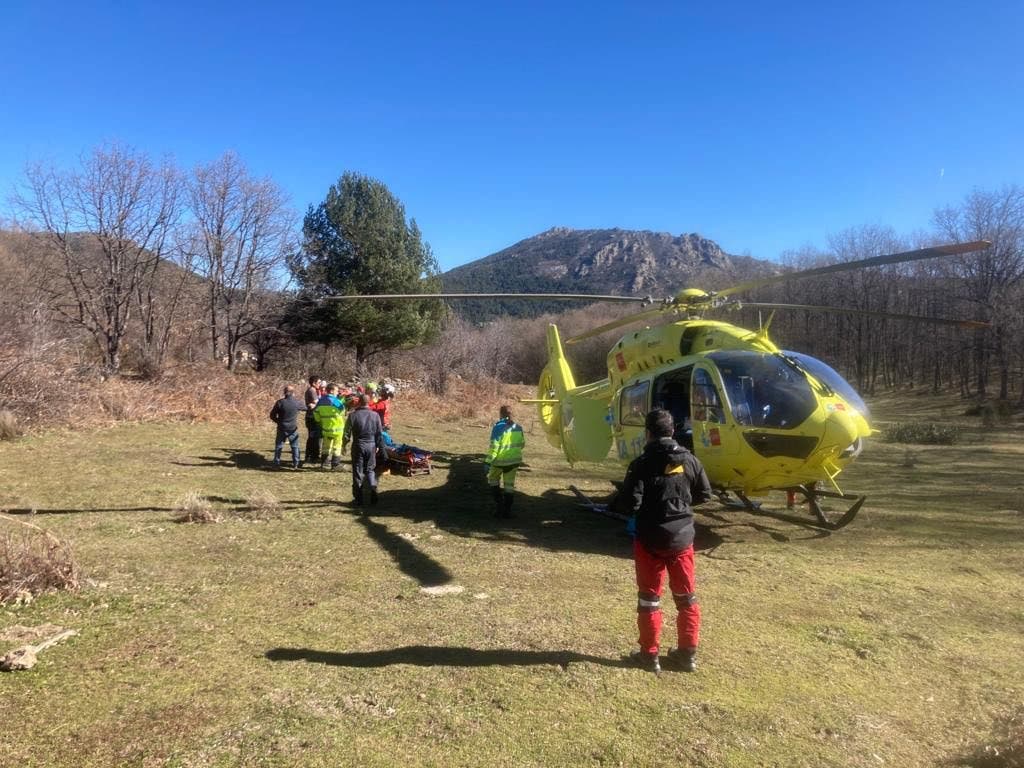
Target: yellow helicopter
(759, 418)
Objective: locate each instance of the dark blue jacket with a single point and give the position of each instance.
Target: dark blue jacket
(285, 414)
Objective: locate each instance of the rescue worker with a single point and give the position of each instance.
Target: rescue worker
(352, 399)
(382, 405)
(363, 429)
(285, 414)
(313, 437)
(330, 418)
(503, 460)
(662, 484)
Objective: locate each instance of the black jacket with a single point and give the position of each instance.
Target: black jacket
(662, 484)
(285, 414)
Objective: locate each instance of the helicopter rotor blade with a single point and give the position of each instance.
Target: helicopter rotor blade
(622, 321)
(951, 249)
(527, 296)
(865, 312)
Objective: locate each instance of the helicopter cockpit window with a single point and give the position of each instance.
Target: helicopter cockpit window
(633, 404)
(707, 405)
(832, 379)
(764, 390)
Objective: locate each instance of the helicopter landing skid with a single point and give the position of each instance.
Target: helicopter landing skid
(740, 502)
(602, 509)
(813, 494)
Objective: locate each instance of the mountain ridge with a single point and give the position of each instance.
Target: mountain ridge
(600, 261)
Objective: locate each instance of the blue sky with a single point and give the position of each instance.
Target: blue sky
(762, 126)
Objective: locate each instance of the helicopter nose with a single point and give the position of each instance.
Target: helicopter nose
(842, 434)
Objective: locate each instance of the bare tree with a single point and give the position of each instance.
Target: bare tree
(109, 223)
(991, 277)
(243, 232)
(160, 302)
(266, 334)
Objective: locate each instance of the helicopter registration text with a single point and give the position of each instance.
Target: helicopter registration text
(630, 449)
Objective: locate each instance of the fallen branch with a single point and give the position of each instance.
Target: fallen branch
(25, 657)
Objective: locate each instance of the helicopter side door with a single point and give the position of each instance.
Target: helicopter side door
(672, 392)
(716, 439)
(629, 411)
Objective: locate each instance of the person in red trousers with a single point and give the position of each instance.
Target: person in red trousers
(663, 484)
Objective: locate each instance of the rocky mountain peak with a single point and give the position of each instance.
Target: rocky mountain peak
(609, 261)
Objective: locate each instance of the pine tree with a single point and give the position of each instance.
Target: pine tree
(357, 241)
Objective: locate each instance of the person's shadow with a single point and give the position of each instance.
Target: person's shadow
(441, 656)
(240, 458)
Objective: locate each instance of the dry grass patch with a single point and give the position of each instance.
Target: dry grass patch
(34, 561)
(260, 504)
(193, 507)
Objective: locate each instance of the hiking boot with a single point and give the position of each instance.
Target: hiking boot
(499, 507)
(373, 497)
(683, 659)
(646, 661)
(506, 511)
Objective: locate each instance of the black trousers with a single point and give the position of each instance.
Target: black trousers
(364, 462)
(313, 440)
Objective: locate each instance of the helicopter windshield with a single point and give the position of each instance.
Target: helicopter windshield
(830, 378)
(764, 390)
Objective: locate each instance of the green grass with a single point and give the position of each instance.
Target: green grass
(307, 641)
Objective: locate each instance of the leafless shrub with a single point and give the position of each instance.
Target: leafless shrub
(8, 426)
(260, 504)
(195, 508)
(34, 561)
(479, 401)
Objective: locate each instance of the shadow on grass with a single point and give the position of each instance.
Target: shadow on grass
(462, 506)
(747, 519)
(410, 560)
(238, 505)
(240, 458)
(441, 656)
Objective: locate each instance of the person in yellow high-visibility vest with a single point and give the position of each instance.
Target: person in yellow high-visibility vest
(329, 414)
(503, 459)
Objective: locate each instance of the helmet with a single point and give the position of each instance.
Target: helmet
(371, 386)
(388, 389)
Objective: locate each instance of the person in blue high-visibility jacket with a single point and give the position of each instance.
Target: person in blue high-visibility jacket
(503, 459)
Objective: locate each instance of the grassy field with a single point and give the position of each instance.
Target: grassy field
(307, 640)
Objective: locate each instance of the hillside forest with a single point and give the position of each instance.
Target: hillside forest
(128, 271)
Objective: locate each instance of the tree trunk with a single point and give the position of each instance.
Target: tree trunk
(213, 328)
